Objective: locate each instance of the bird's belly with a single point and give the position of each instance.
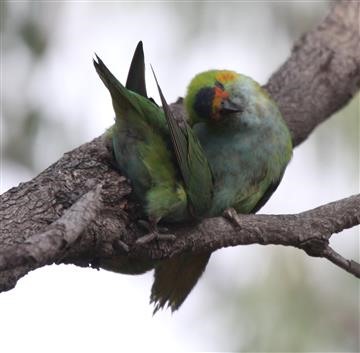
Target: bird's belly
(240, 187)
(240, 172)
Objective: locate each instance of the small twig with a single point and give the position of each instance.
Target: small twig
(350, 266)
(45, 247)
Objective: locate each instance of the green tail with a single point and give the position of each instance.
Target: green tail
(175, 278)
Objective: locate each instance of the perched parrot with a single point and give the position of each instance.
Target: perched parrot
(230, 153)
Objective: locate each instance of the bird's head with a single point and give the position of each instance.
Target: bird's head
(211, 96)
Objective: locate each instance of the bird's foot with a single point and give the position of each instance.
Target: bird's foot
(119, 244)
(231, 215)
(155, 232)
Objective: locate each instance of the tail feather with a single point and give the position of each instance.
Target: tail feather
(175, 278)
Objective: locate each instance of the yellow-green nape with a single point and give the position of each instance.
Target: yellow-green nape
(201, 81)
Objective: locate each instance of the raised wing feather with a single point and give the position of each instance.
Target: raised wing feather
(140, 139)
(121, 96)
(128, 104)
(136, 76)
(193, 164)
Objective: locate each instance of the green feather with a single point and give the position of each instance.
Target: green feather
(178, 171)
(136, 76)
(140, 142)
(247, 152)
(195, 169)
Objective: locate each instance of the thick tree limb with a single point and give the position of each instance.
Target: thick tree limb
(309, 231)
(319, 78)
(325, 64)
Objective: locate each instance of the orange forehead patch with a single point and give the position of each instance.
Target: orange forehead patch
(220, 95)
(225, 76)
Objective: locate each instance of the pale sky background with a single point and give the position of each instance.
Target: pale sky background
(66, 308)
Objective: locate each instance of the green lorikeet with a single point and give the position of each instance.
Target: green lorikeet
(231, 153)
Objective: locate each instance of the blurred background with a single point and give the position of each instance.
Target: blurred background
(251, 298)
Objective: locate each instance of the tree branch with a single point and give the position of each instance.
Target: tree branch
(319, 78)
(322, 73)
(44, 248)
(350, 266)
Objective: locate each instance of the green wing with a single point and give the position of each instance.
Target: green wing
(267, 194)
(136, 76)
(119, 93)
(140, 140)
(193, 164)
(128, 104)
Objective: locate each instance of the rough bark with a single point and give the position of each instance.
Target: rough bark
(40, 221)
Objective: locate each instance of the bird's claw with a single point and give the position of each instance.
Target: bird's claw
(146, 238)
(154, 232)
(166, 236)
(231, 215)
(155, 235)
(119, 244)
